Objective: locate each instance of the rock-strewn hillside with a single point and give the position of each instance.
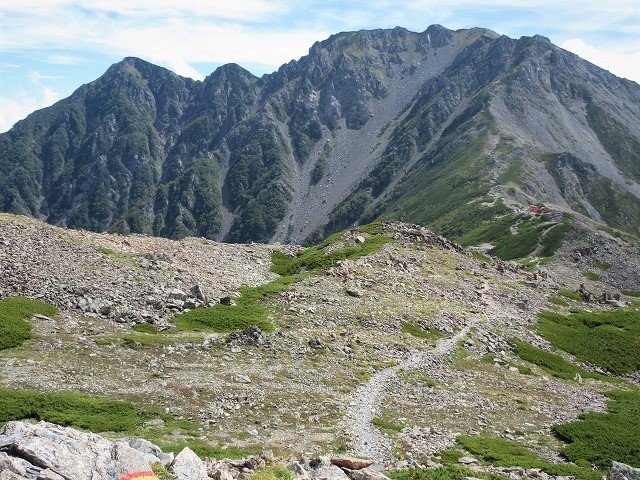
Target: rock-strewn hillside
(393, 345)
(432, 128)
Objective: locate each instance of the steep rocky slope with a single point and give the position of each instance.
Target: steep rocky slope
(394, 355)
(449, 129)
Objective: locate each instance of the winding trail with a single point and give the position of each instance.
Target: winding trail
(368, 441)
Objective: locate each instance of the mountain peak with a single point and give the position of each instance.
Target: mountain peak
(371, 124)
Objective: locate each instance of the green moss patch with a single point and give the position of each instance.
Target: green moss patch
(419, 332)
(594, 277)
(14, 329)
(558, 301)
(575, 296)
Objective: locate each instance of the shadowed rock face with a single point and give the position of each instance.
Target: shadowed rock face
(370, 124)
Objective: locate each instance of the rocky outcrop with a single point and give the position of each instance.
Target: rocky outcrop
(620, 471)
(48, 451)
(129, 280)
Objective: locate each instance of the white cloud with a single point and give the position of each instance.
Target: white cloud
(49, 97)
(272, 32)
(65, 59)
(22, 104)
(236, 10)
(181, 67)
(619, 61)
(36, 77)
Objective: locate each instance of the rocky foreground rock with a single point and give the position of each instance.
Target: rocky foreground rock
(45, 451)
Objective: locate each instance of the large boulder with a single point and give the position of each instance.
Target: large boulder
(352, 463)
(188, 466)
(620, 471)
(48, 451)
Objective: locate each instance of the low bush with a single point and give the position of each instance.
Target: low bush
(448, 472)
(552, 363)
(598, 438)
(318, 257)
(247, 312)
(14, 329)
(70, 409)
(571, 294)
(609, 339)
(273, 472)
(386, 425)
(505, 453)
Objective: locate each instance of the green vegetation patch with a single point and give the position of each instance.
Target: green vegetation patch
(273, 472)
(571, 294)
(70, 409)
(609, 339)
(383, 424)
(489, 359)
(417, 331)
(558, 301)
(593, 276)
(604, 266)
(145, 328)
(599, 438)
(524, 242)
(449, 457)
(204, 449)
(631, 293)
(320, 257)
(247, 312)
(553, 363)
(14, 329)
(449, 472)
(418, 377)
(505, 453)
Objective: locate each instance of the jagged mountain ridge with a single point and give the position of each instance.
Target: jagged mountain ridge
(370, 124)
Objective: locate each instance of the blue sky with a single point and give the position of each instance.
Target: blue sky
(48, 48)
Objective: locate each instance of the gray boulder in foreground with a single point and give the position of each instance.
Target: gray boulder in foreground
(50, 452)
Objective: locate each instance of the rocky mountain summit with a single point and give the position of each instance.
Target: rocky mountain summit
(386, 341)
(432, 128)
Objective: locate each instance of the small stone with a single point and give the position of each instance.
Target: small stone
(351, 463)
(242, 379)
